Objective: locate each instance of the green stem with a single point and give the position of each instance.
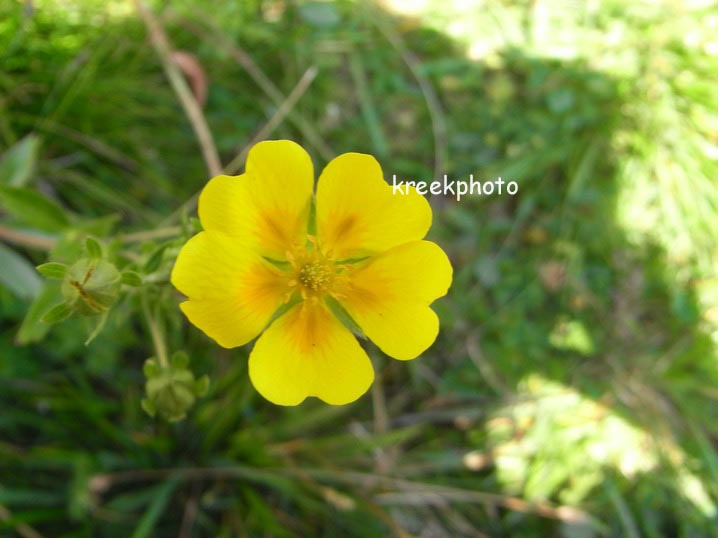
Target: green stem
(156, 333)
(148, 235)
(41, 241)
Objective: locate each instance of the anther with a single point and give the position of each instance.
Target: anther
(314, 276)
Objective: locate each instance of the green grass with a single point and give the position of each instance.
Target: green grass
(572, 390)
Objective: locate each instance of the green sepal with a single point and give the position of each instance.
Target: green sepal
(180, 360)
(151, 368)
(57, 313)
(343, 316)
(149, 407)
(52, 270)
(101, 322)
(93, 248)
(130, 278)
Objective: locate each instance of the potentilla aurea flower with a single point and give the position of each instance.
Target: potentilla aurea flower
(278, 259)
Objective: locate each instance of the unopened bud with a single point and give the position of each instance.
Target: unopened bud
(91, 286)
(172, 390)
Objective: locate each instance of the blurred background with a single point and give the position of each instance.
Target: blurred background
(573, 389)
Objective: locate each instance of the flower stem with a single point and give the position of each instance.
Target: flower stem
(156, 333)
(27, 239)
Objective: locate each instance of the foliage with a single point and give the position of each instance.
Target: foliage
(572, 389)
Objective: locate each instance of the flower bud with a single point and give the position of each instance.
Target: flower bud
(172, 390)
(91, 286)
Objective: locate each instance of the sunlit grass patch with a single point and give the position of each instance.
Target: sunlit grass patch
(554, 441)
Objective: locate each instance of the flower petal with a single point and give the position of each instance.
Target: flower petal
(389, 297)
(233, 292)
(358, 213)
(268, 205)
(308, 352)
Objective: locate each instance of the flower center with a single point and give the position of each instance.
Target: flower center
(315, 276)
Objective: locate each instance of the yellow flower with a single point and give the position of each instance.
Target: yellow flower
(275, 255)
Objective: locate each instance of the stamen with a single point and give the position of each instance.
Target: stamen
(314, 276)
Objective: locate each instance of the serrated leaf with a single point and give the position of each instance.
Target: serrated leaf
(33, 209)
(17, 164)
(52, 270)
(131, 278)
(18, 274)
(94, 250)
(57, 314)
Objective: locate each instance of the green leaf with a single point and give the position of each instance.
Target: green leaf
(131, 278)
(94, 250)
(151, 368)
(154, 261)
(201, 386)
(79, 492)
(319, 14)
(18, 275)
(160, 499)
(18, 163)
(33, 209)
(195, 224)
(32, 328)
(57, 314)
(27, 497)
(572, 336)
(100, 226)
(52, 270)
